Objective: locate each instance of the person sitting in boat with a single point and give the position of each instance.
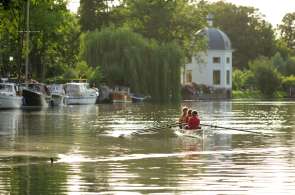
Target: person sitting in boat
(189, 115)
(183, 118)
(194, 121)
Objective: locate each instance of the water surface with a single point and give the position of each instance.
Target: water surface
(108, 149)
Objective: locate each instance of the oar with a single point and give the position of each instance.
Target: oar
(229, 128)
(155, 129)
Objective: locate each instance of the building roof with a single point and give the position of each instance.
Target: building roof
(217, 40)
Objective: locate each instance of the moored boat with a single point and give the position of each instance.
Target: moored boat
(79, 94)
(9, 97)
(35, 94)
(57, 94)
(138, 98)
(121, 95)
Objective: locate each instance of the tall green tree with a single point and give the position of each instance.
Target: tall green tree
(267, 78)
(11, 25)
(126, 58)
(166, 21)
(287, 30)
(94, 14)
(249, 33)
(55, 46)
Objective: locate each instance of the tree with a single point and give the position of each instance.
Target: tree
(249, 33)
(57, 42)
(287, 30)
(284, 66)
(266, 76)
(126, 58)
(243, 80)
(290, 66)
(11, 24)
(96, 76)
(279, 63)
(53, 48)
(94, 14)
(166, 21)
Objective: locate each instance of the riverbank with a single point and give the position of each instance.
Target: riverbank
(255, 94)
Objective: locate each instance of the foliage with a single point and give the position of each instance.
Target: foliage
(279, 63)
(126, 58)
(10, 36)
(290, 66)
(166, 21)
(94, 14)
(287, 30)
(83, 70)
(267, 78)
(289, 81)
(54, 41)
(283, 49)
(57, 42)
(284, 66)
(236, 94)
(249, 33)
(96, 76)
(70, 74)
(243, 80)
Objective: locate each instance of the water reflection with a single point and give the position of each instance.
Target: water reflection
(9, 122)
(90, 158)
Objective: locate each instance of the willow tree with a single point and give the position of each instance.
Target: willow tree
(126, 58)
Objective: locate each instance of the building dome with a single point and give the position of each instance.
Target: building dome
(217, 40)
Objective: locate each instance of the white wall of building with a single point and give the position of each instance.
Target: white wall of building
(202, 67)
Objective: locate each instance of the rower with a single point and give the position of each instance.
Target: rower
(194, 121)
(189, 115)
(183, 118)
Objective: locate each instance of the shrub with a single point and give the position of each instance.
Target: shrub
(266, 76)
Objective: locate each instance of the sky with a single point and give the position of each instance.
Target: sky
(273, 10)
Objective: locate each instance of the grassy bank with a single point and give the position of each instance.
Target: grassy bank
(255, 94)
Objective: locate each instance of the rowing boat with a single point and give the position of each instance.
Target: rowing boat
(193, 133)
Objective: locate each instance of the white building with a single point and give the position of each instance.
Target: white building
(212, 67)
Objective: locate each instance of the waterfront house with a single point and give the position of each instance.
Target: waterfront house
(211, 68)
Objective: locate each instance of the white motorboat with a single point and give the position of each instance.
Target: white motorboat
(79, 93)
(9, 97)
(57, 93)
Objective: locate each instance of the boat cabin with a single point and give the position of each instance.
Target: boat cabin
(9, 89)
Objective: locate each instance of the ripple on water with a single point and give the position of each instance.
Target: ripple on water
(89, 158)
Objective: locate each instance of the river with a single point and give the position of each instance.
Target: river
(102, 149)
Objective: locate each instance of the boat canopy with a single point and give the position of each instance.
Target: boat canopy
(56, 88)
(77, 89)
(7, 88)
(4, 87)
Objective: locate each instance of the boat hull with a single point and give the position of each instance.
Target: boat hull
(71, 100)
(10, 102)
(57, 100)
(32, 98)
(195, 133)
(137, 99)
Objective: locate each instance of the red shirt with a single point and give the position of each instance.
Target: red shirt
(194, 122)
(187, 119)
